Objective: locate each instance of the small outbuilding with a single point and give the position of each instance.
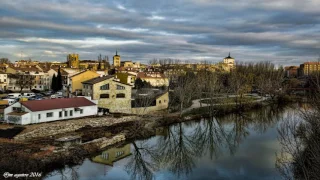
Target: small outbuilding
(39, 111)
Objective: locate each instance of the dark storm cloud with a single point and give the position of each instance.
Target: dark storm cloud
(282, 31)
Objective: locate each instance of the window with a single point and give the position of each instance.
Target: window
(104, 95)
(65, 113)
(164, 100)
(39, 116)
(119, 153)
(159, 101)
(49, 114)
(81, 111)
(104, 87)
(105, 155)
(120, 87)
(71, 113)
(121, 95)
(60, 114)
(17, 109)
(5, 80)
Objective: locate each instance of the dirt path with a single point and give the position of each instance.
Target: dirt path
(196, 103)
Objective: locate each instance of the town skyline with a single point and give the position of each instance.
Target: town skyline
(283, 32)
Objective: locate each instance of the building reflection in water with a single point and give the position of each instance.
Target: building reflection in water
(108, 157)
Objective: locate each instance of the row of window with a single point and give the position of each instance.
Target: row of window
(50, 114)
(163, 101)
(120, 95)
(107, 87)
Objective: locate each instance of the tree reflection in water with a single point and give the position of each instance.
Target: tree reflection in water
(141, 164)
(183, 144)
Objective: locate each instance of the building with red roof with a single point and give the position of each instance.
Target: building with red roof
(39, 111)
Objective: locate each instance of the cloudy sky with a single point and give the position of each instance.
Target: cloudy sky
(282, 31)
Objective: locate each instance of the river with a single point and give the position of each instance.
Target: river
(229, 147)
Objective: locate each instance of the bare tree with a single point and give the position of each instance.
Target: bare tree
(184, 90)
(24, 81)
(300, 140)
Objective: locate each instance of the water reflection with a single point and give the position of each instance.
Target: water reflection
(179, 150)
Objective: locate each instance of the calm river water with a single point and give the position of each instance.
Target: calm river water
(229, 147)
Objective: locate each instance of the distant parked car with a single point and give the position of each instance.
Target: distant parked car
(48, 93)
(27, 95)
(14, 95)
(32, 98)
(35, 91)
(10, 101)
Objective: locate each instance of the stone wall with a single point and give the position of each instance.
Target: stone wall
(104, 142)
(49, 129)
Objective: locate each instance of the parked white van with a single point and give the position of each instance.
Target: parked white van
(10, 101)
(14, 95)
(27, 95)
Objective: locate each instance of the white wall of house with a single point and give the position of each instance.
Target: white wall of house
(3, 81)
(46, 116)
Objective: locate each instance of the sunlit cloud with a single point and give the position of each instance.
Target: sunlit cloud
(85, 43)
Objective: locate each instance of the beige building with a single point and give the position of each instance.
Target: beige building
(156, 79)
(3, 81)
(76, 80)
(112, 155)
(310, 68)
(130, 64)
(111, 94)
(150, 102)
(126, 78)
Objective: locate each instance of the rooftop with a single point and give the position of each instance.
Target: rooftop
(97, 79)
(17, 113)
(150, 75)
(50, 104)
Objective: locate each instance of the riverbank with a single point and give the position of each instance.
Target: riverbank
(32, 152)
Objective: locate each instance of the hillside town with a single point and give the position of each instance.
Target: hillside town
(35, 92)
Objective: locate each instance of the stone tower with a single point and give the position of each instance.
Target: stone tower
(73, 60)
(116, 60)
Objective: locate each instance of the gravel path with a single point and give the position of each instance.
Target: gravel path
(196, 103)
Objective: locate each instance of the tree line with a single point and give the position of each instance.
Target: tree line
(263, 77)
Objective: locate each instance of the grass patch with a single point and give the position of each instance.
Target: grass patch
(229, 100)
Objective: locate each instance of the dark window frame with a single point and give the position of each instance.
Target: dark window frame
(121, 95)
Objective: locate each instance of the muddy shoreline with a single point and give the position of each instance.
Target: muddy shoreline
(42, 155)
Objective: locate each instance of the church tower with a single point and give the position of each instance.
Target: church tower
(229, 61)
(116, 60)
(73, 60)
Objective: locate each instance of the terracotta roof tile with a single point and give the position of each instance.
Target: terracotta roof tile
(50, 104)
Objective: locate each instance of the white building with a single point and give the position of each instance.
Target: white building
(229, 61)
(30, 112)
